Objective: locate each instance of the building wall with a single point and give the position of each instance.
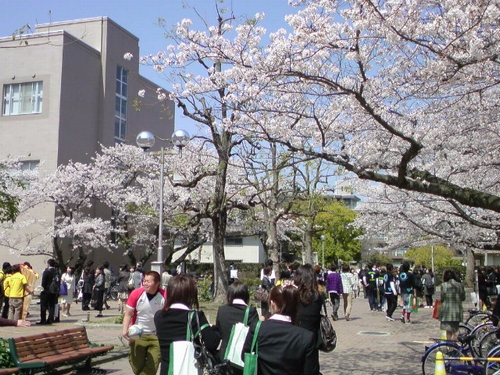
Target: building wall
(77, 61)
(250, 251)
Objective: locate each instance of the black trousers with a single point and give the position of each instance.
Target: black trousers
(5, 310)
(99, 296)
(47, 303)
(392, 302)
(428, 299)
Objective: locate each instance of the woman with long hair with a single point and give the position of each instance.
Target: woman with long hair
(171, 322)
(310, 302)
(283, 346)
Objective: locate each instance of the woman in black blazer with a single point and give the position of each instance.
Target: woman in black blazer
(232, 313)
(267, 284)
(284, 347)
(311, 302)
(171, 322)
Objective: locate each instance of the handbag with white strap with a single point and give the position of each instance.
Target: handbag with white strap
(236, 341)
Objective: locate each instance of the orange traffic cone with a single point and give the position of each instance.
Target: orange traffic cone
(439, 369)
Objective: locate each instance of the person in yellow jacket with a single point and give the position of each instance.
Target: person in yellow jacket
(17, 285)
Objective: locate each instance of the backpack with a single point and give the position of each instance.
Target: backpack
(430, 283)
(55, 285)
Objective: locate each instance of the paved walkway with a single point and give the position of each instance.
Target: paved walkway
(367, 344)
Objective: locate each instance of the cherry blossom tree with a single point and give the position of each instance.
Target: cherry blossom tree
(410, 219)
(400, 92)
(204, 97)
(397, 92)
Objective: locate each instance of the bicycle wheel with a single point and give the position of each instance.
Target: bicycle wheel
(488, 342)
(449, 350)
(478, 318)
(479, 332)
(492, 368)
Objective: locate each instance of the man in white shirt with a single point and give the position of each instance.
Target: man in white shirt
(142, 304)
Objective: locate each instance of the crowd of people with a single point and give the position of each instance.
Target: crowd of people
(16, 290)
(59, 289)
(160, 305)
(294, 306)
(385, 287)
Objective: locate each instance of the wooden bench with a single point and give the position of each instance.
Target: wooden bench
(51, 349)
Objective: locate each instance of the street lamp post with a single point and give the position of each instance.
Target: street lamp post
(146, 140)
(322, 251)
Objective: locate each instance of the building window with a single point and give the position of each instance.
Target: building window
(238, 241)
(121, 104)
(29, 165)
(22, 98)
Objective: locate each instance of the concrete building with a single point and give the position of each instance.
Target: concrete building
(237, 248)
(67, 89)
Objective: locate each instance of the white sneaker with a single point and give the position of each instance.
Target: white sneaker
(389, 318)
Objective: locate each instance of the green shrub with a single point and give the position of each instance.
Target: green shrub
(204, 293)
(5, 361)
(119, 319)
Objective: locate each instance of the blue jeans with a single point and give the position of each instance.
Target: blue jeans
(406, 297)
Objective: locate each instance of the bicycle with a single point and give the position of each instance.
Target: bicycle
(451, 351)
(466, 346)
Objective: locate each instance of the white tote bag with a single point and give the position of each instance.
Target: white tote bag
(236, 341)
(182, 355)
(182, 360)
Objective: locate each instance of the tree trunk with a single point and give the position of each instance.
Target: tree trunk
(272, 245)
(308, 234)
(220, 279)
(471, 264)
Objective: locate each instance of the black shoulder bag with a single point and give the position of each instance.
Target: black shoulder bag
(206, 361)
(327, 335)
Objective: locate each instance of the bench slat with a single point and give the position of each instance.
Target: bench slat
(6, 371)
(27, 350)
(59, 358)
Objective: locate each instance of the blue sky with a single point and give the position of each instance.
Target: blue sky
(139, 17)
